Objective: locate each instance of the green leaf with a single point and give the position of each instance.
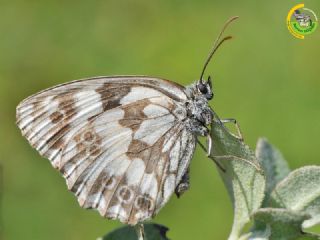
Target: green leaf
(274, 165)
(258, 234)
(242, 175)
(300, 191)
(152, 232)
(281, 224)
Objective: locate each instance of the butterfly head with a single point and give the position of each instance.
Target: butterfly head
(205, 88)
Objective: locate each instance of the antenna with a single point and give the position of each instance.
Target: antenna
(217, 43)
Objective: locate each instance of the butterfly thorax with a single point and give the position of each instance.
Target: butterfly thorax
(199, 112)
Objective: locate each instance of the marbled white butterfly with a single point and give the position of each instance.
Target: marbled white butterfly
(122, 143)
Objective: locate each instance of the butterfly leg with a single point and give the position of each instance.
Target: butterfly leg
(216, 162)
(184, 184)
(209, 144)
(234, 121)
(201, 145)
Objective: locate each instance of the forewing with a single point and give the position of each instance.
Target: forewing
(49, 118)
(120, 142)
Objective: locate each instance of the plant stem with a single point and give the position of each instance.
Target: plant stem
(140, 231)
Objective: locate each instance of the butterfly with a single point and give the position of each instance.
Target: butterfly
(123, 143)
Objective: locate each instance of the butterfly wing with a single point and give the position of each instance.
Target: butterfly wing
(120, 142)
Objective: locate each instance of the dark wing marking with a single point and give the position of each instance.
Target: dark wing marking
(116, 140)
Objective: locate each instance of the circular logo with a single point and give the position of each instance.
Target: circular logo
(301, 21)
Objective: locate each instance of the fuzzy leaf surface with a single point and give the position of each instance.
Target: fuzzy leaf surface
(300, 191)
(241, 174)
(274, 165)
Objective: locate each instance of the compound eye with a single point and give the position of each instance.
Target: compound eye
(202, 88)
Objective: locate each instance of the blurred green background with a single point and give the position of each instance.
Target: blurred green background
(265, 78)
